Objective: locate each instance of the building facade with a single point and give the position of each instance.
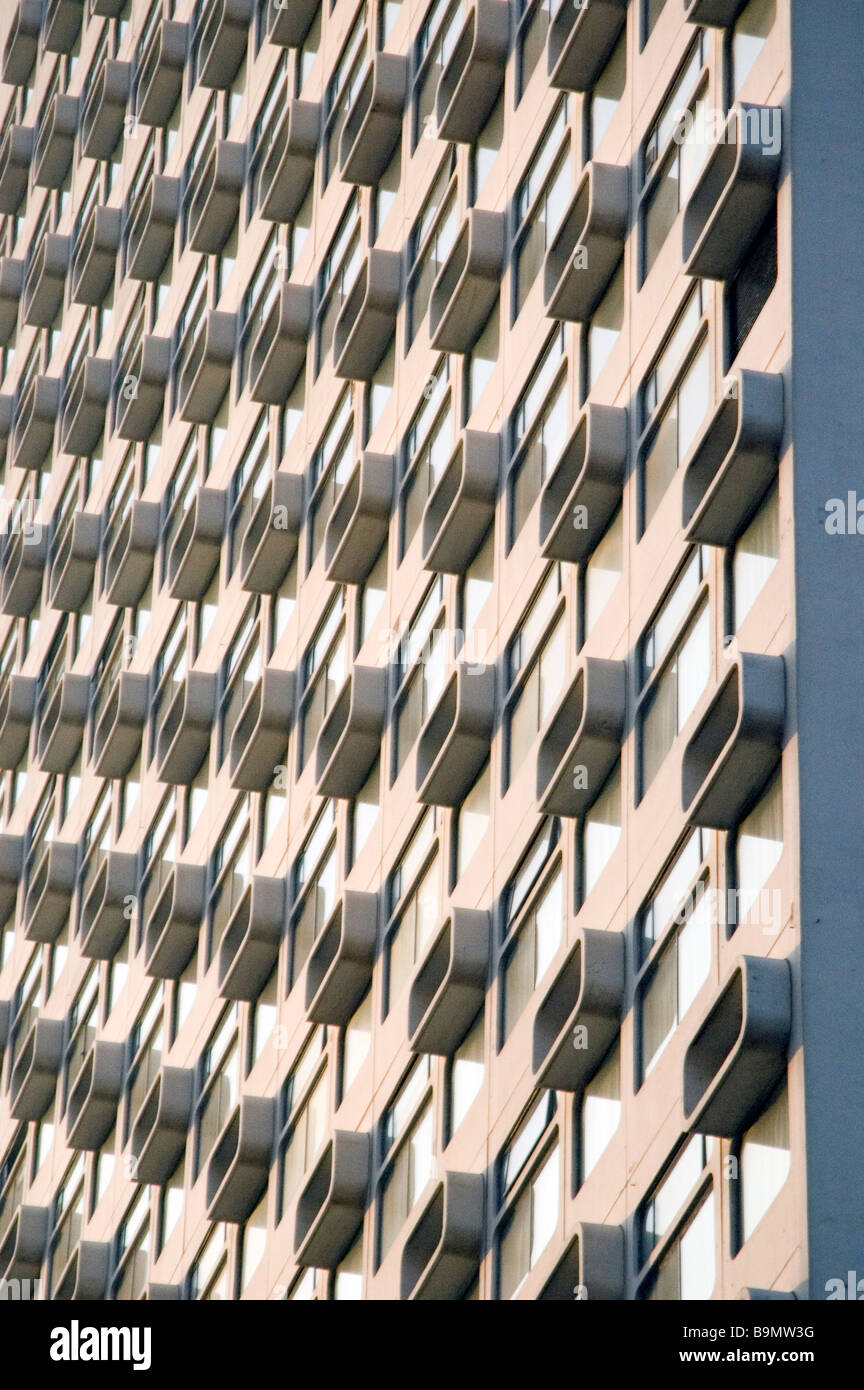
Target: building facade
(430, 837)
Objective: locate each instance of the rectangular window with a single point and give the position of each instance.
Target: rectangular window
(337, 274)
(435, 43)
(316, 881)
(541, 200)
(530, 1207)
(430, 242)
(414, 906)
(676, 654)
(345, 81)
(332, 464)
(305, 1105)
(421, 669)
(407, 1133)
(749, 291)
(534, 19)
(755, 557)
(673, 154)
(323, 672)
(679, 1223)
(600, 1112)
(539, 429)
(426, 449)
(536, 670)
(674, 403)
(601, 830)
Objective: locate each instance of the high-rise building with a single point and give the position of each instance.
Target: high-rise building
(430, 693)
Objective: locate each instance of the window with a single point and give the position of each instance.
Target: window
(67, 1221)
(197, 163)
(337, 274)
(266, 128)
(253, 1243)
(472, 820)
(486, 149)
(466, 1072)
(208, 1275)
(260, 296)
(355, 1043)
(263, 1013)
(536, 670)
(474, 590)
(541, 200)
(606, 96)
(482, 361)
(316, 879)
(435, 42)
(531, 949)
(764, 1162)
(602, 573)
(758, 847)
(230, 871)
(158, 858)
(240, 671)
(601, 830)
(248, 485)
(430, 242)
(332, 463)
(748, 37)
(13, 1179)
(414, 906)
(407, 1133)
(600, 1112)
(750, 290)
(347, 1282)
(84, 1019)
(133, 1250)
(676, 665)
(305, 1109)
(365, 809)
(534, 20)
(674, 152)
(755, 557)
(529, 1206)
(373, 594)
(676, 942)
(425, 451)
(421, 669)
(146, 1046)
(675, 1229)
(651, 12)
(603, 331)
(323, 671)
(538, 431)
(674, 400)
(220, 1079)
(343, 86)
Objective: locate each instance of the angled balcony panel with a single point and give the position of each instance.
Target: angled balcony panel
(367, 320)
(461, 506)
(579, 1017)
(332, 1203)
(70, 577)
(238, 1167)
(45, 280)
(62, 24)
(17, 710)
(206, 371)
(278, 353)
(588, 245)
(222, 46)
(85, 1278)
(60, 731)
(584, 489)
(216, 201)
(734, 193)
(12, 273)
(339, 969)
(736, 744)
(82, 422)
(159, 80)
(360, 519)
(150, 239)
(141, 395)
(105, 109)
(107, 909)
(580, 42)
(734, 460)
(23, 570)
(194, 554)
(738, 1052)
(592, 1267)
(16, 155)
(95, 256)
(443, 1250)
(171, 930)
(22, 1251)
(55, 142)
(183, 738)
(455, 740)
(34, 1075)
(22, 43)
(118, 733)
(269, 542)
(473, 75)
(161, 1127)
(467, 286)
(289, 164)
(91, 1109)
(11, 870)
(260, 738)
(350, 737)
(49, 892)
(717, 14)
(449, 983)
(373, 122)
(288, 25)
(33, 425)
(582, 741)
(129, 563)
(250, 943)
